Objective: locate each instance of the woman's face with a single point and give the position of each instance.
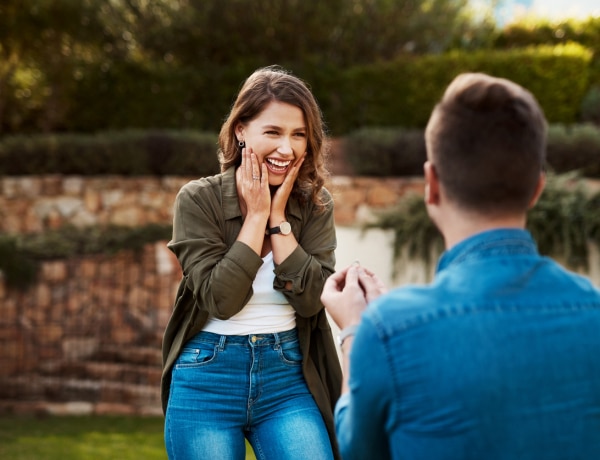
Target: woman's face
(278, 136)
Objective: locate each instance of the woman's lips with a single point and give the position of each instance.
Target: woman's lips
(277, 166)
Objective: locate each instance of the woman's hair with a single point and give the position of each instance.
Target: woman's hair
(487, 141)
(270, 84)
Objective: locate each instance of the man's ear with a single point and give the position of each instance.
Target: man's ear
(432, 184)
(539, 188)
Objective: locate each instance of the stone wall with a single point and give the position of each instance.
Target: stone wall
(86, 337)
(89, 333)
(35, 204)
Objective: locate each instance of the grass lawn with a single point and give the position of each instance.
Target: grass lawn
(83, 438)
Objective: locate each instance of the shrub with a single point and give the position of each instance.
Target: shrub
(17, 269)
(384, 152)
(20, 254)
(412, 228)
(558, 221)
(574, 148)
(590, 106)
(403, 92)
(563, 221)
(129, 153)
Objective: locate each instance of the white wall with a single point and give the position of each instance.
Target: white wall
(374, 250)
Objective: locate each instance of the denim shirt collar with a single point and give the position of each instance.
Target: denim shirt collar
(489, 243)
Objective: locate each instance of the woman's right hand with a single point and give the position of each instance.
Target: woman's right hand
(254, 185)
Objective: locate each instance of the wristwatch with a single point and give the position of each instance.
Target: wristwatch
(284, 228)
(346, 332)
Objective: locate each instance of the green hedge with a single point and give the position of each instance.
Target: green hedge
(129, 153)
(539, 31)
(372, 151)
(385, 152)
(574, 148)
(403, 92)
(400, 92)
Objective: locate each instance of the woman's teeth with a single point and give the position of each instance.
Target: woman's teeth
(278, 163)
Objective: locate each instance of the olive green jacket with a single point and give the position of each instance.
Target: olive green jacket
(218, 273)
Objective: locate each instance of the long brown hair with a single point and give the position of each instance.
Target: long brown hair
(270, 84)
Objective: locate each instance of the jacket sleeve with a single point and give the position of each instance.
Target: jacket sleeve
(219, 276)
(312, 261)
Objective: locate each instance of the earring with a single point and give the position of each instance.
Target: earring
(242, 144)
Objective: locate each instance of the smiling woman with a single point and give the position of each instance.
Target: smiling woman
(277, 137)
(248, 352)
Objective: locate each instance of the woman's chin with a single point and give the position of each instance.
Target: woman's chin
(275, 181)
(274, 187)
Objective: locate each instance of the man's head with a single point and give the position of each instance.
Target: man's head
(486, 145)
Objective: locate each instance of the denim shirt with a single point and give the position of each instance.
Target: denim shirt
(498, 358)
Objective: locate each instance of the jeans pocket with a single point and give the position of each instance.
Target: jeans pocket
(196, 355)
(290, 353)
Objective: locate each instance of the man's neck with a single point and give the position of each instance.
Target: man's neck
(460, 226)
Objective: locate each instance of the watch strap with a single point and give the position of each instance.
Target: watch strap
(284, 228)
(347, 332)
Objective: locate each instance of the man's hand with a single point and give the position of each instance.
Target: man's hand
(371, 284)
(347, 292)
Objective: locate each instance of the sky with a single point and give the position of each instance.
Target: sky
(550, 9)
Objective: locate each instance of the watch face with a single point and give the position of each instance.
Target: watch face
(285, 228)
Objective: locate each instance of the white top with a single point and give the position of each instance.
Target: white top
(266, 312)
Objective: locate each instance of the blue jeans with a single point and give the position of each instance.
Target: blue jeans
(225, 389)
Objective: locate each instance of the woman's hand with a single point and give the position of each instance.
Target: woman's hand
(280, 199)
(254, 182)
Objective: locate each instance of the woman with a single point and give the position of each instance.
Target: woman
(248, 351)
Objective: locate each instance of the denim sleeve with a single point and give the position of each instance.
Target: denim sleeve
(361, 415)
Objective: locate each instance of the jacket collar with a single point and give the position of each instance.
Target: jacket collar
(231, 203)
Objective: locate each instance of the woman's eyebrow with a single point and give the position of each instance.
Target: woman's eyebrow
(276, 127)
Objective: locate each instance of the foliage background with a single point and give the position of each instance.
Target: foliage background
(151, 79)
(97, 65)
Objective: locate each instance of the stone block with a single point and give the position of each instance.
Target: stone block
(381, 196)
(77, 348)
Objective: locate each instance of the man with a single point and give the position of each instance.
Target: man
(498, 358)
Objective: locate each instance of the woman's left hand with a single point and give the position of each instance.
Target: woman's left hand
(280, 199)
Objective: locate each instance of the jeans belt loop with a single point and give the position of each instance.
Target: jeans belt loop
(221, 345)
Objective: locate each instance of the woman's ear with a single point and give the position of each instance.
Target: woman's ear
(239, 132)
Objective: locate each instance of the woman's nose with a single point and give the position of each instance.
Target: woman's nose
(285, 147)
